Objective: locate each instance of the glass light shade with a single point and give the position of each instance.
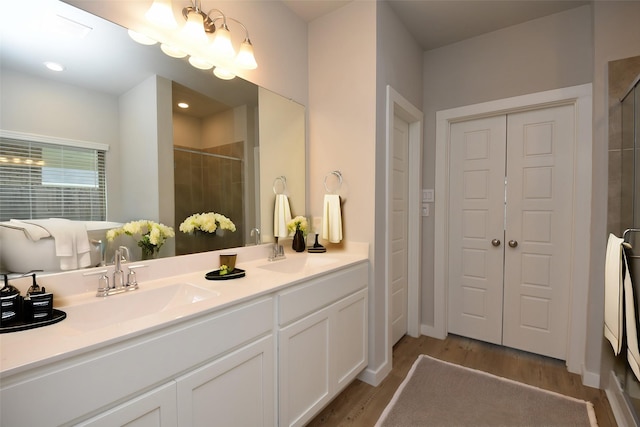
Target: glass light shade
(223, 73)
(161, 14)
(222, 47)
(141, 38)
(245, 58)
(193, 30)
(172, 51)
(200, 63)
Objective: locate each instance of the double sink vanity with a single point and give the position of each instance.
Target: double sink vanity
(271, 348)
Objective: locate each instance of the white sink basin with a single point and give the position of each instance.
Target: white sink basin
(299, 264)
(131, 305)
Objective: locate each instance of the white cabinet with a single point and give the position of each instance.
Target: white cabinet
(112, 384)
(323, 351)
(273, 359)
(156, 408)
(235, 390)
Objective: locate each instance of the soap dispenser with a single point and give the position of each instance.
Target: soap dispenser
(10, 303)
(38, 304)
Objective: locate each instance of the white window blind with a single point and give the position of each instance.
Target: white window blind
(40, 180)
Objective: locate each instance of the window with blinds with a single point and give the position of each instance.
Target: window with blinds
(40, 180)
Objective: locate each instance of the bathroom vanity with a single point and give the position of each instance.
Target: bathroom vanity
(271, 348)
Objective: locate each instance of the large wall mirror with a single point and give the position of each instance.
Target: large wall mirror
(223, 154)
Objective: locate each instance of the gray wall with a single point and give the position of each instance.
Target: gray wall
(543, 54)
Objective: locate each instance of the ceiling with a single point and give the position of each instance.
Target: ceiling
(437, 23)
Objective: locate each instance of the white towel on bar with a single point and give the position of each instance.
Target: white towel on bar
(71, 241)
(332, 219)
(633, 352)
(613, 293)
(281, 216)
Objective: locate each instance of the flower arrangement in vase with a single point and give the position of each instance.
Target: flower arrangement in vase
(152, 235)
(209, 222)
(299, 226)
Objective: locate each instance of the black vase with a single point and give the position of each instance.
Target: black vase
(298, 241)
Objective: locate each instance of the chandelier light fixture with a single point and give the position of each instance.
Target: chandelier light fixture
(205, 38)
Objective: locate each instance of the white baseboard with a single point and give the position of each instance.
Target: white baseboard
(374, 378)
(432, 332)
(619, 406)
(591, 379)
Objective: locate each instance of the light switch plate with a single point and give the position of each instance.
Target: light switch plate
(428, 195)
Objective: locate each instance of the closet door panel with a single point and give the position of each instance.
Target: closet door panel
(476, 219)
(539, 203)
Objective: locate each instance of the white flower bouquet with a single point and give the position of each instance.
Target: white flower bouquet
(152, 235)
(207, 222)
(298, 223)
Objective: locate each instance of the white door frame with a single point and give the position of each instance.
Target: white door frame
(581, 97)
(397, 105)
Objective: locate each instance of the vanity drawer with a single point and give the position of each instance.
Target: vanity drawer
(301, 300)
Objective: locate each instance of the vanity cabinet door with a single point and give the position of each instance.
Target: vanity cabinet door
(304, 368)
(319, 355)
(156, 408)
(350, 343)
(235, 390)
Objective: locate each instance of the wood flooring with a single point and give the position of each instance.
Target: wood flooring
(361, 404)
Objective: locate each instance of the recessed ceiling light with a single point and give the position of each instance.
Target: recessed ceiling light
(54, 66)
(183, 105)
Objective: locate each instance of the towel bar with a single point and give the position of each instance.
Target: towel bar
(283, 180)
(624, 237)
(336, 173)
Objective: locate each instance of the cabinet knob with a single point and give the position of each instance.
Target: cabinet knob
(513, 243)
(495, 242)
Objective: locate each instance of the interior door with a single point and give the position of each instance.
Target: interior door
(476, 228)
(511, 196)
(538, 230)
(399, 229)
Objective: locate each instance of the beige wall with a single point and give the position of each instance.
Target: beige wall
(350, 66)
(342, 125)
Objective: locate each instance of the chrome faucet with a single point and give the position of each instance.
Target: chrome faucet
(119, 283)
(277, 252)
(256, 232)
(118, 275)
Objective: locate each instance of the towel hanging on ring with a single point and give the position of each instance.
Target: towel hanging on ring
(281, 216)
(332, 219)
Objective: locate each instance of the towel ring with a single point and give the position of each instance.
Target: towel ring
(283, 181)
(629, 230)
(336, 173)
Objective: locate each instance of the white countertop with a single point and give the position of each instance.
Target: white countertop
(24, 350)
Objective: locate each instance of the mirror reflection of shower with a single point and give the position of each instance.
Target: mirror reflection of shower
(212, 170)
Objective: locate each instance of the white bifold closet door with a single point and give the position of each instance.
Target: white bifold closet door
(511, 195)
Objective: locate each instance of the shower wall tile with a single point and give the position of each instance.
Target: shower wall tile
(620, 198)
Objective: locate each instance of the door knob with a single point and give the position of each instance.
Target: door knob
(513, 243)
(495, 242)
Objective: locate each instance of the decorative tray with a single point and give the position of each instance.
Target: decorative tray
(215, 275)
(56, 317)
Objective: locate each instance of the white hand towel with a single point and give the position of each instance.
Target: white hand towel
(281, 216)
(613, 293)
(332, 219)
(33, 232)
(633, 352)
(71, 241)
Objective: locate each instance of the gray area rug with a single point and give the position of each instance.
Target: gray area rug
(438, 393)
